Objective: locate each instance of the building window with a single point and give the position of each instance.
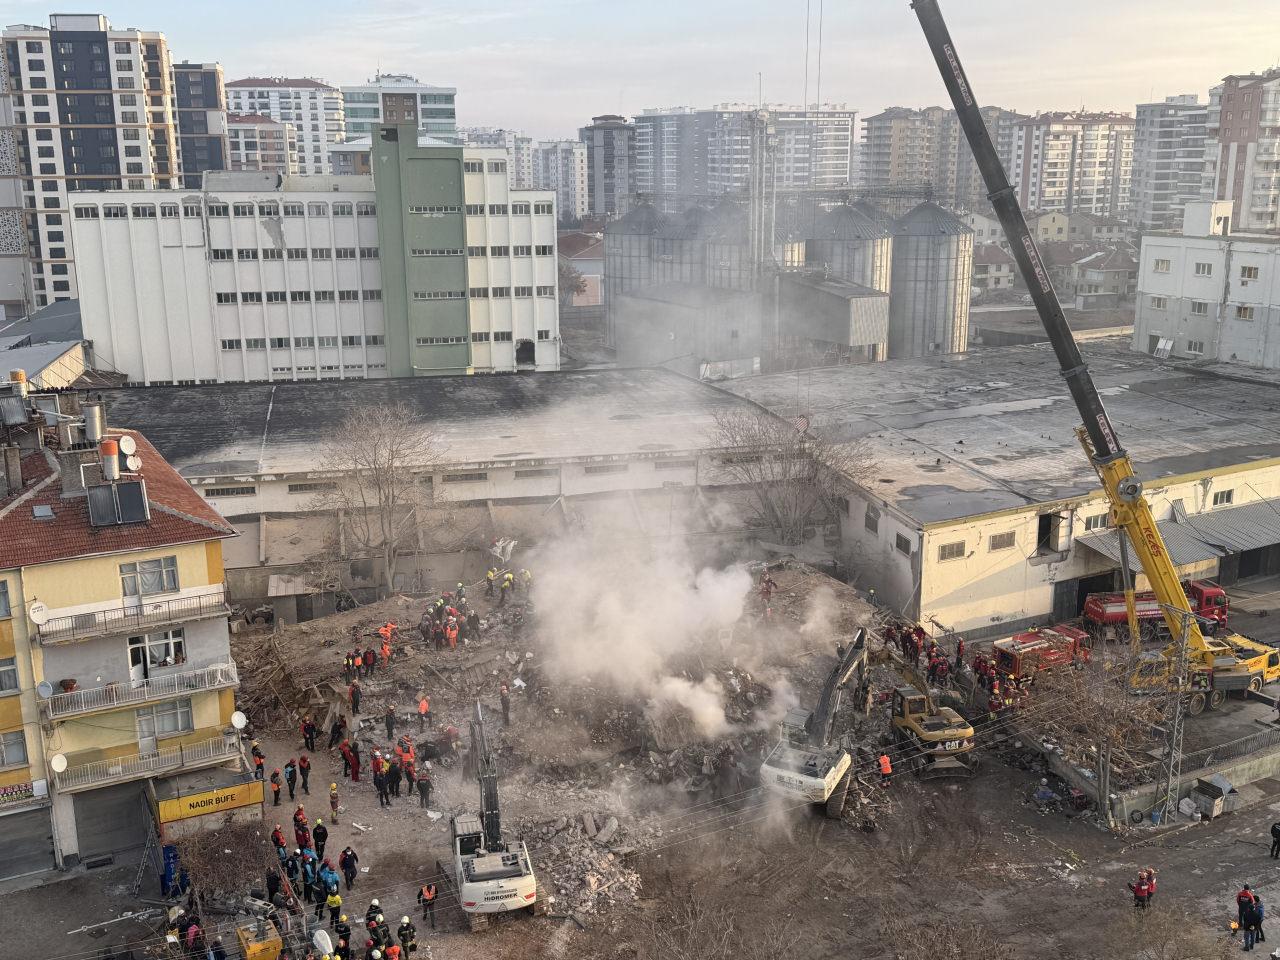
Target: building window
(999, 541)
(439, 294)
(352, 340)
(368, 253)
(871, 520)
(1223, 497)
(297, 253)
(500, 251)
(168, 210)
(1160, 266)
(4, 598)
(522, 291)
(544, 334)
(366, 209)
(502, 336)
(251, 296)
(547, 291)
(247, 253)
(167, 648)
(521, 250)
(1098, 521)
(146, 577)
(597, 468)
(322, 486)
(537, 473)
(497, 209)
(902, 544)
(255, 343)
(304, 341)
(279, 343)
(294, 209)
(1248, 273)
(275, 296)
(520, 209)
(545, 209)
(473, 166)
(324, 296)
(1159, 303)
(327, 341)
(474, 209)
(1195, 346)
(343, 210)
(320, 253)
(272, 253)
(372, 295)
(1204, 269)
(480, 336)
(375, 340)
(500, 291)
(13, 749)
(230, 344)
(1199, 308)
(315, 209)
(8, 674)
(226, 298)
(438, 341)
(112, 211)
(1243, 312)
(165, 719)
(465, 477)
(348, 296)
(86, 213)
(545, 250)
(951, 551)
(344, 253)
(475, 251)
(300, 296)
(230, 491)
(478, 293)
(497, 166)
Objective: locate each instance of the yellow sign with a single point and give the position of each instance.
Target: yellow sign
(211, 801)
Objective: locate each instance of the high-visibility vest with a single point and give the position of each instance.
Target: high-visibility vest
(424, 705)
(429, 892)
(886, 767)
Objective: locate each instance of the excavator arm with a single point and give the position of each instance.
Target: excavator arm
(853, 661)
(487, 774)
(1129, 507)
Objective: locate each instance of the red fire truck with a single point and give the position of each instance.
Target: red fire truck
(1025, 654)
(1105, 618)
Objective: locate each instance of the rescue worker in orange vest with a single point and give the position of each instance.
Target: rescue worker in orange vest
(886, 769)
(424, 712)
(427, 897)
(275, 787)
(259, 758)
(451, 633)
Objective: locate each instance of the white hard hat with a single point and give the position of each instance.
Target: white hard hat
(373, 902)
(1044, 782)
(404, 919)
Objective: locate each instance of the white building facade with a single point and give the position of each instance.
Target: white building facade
(259, 143)
(400, 98)
(1209, 293)
(1168, 161)
(312, 107)
(561, 165)
(117, 129)
(1074, 162)
(519, 149)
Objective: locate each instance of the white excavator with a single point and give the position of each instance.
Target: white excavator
(805, 764)
(489, 875)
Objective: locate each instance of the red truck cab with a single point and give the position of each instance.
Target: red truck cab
(1105, 612)
(1025, 654)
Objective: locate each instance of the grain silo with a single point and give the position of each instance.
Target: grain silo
(679, 247)
(848, 245)
(874, 213)
(728, 252)
(627, 256)
(929, 292)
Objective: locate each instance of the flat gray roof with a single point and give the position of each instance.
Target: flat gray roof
(245, 429)
(968, 434)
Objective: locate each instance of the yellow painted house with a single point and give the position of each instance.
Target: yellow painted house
(115, 662)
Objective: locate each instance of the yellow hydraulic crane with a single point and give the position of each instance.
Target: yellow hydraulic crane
(1214, 666)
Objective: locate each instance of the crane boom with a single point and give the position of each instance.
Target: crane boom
(1130, 510)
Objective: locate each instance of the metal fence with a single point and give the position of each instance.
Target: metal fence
(1212, 756)
(101, 772)
(122, 694)
(124, 619)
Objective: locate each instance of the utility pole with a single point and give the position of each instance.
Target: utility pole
(1171, 775)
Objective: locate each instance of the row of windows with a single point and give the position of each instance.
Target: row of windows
(477, 166)
(519, 250)
(294, 253)
(500, 209)
(1200, 308)
(229, 298)
(282, 343)
(1203, 269)
(501, 293)
(143, 211)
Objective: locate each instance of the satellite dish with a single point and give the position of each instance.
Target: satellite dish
(239, 720)
(44, 690)
(133, 462)
(58, 762)
(322, 942)
(128, 445)
(38, 612)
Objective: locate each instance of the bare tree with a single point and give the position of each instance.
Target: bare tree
(379, 455)
(571, 282)
(906, 938)
(226, 861)
(794, 476)
(1158, 934)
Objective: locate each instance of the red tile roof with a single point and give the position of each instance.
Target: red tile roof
(573, 243)
(256, 119)
(178, 514)
(284, 82)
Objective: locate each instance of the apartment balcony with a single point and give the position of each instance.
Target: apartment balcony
(102, 773)
(122, 619)
(114, 695)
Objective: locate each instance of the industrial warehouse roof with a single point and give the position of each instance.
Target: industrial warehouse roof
(975, 433)
(253, 429)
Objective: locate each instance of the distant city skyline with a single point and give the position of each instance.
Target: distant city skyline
(547, 68)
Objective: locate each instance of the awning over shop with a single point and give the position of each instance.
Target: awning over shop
(1205, 536)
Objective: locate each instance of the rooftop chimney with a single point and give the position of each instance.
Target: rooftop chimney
(19, 380)
(110, 451)
(11, 476)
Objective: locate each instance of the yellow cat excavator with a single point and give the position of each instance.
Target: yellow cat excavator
(1214, 666)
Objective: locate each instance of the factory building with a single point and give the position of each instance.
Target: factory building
(979, 512)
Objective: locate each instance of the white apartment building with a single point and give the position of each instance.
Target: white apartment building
(1168, 161)
(1209, 293)
(263, 278)
(1242, 148)
(93, 109)
(1074, 162)
(312, 107)
(259, 143)
(518, 146)
(561, 165)
(400, 98)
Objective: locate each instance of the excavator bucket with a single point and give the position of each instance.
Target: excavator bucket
(946, 768)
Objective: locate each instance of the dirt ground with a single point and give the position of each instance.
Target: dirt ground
(576, 759)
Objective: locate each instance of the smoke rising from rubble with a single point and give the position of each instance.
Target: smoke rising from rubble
(627, 613)
(821, 613)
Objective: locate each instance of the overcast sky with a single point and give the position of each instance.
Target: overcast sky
(547, 66)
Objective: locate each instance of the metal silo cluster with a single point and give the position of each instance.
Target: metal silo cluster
(930, 286)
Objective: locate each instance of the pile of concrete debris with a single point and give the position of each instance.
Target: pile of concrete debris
(582, 862)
